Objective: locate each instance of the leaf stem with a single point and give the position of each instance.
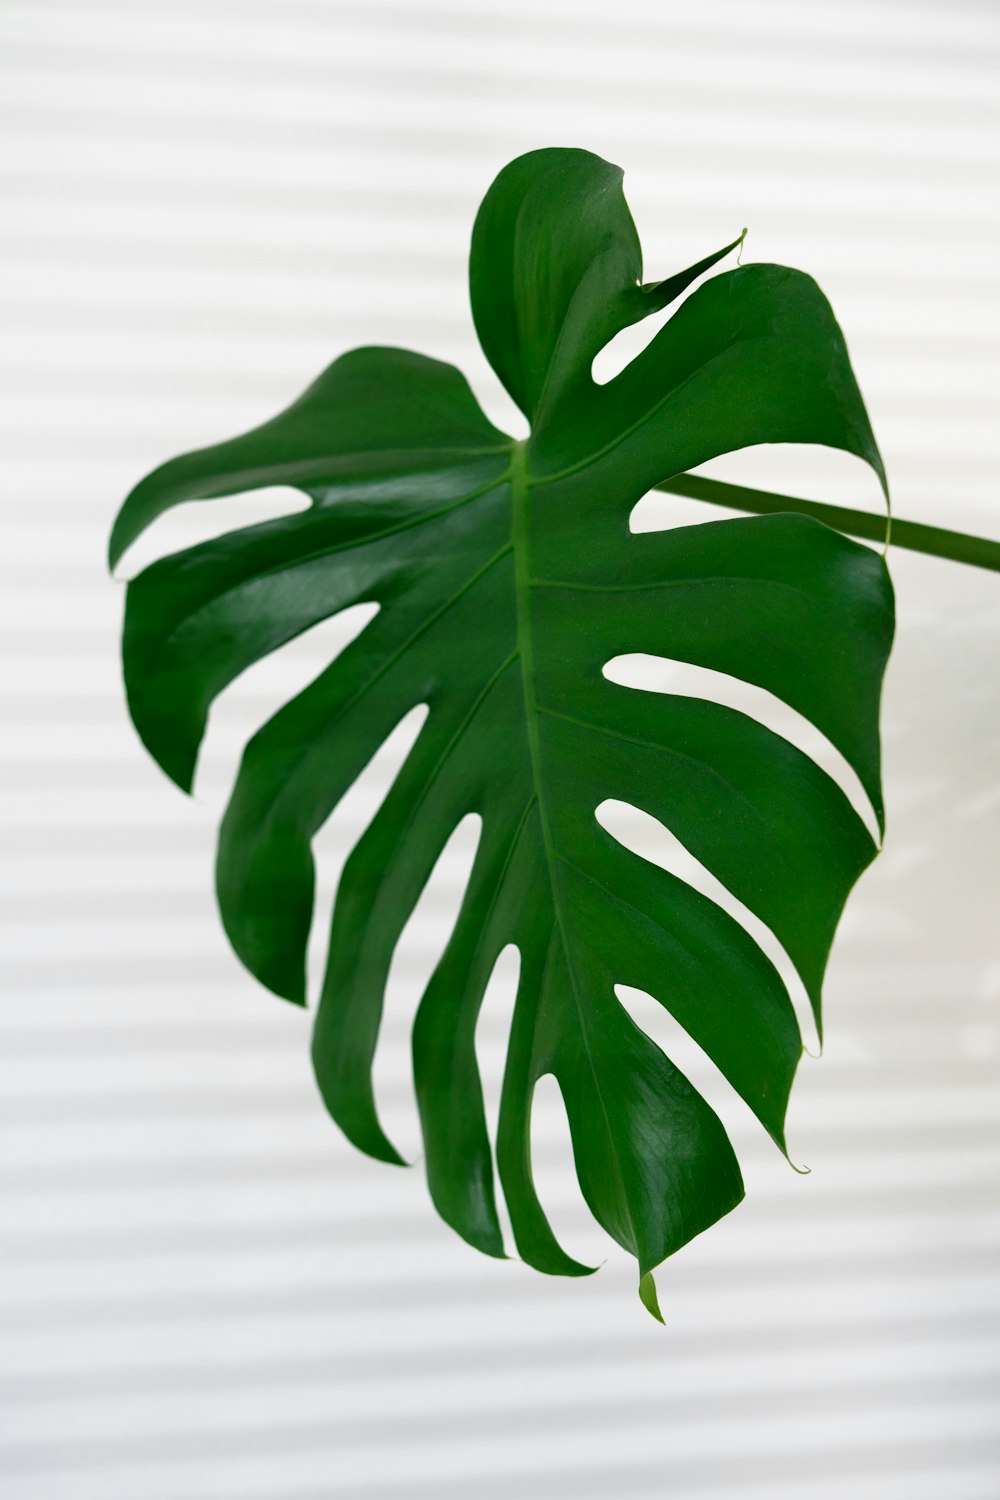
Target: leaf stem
(936, 541)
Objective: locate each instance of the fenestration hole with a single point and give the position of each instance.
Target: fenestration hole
(658, 674)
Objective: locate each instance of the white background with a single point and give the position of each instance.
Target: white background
(205, 1292)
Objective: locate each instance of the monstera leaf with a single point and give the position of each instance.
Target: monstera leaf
(506, 578)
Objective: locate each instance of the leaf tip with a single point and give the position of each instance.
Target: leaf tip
(782, 1144)
(293, 990)
(648, 1297)
(818, 1017)
(180, 769)
(123, 532)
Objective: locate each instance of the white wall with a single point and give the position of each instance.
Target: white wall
(205, 1292)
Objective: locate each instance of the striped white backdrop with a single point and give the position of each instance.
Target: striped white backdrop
(205, 1292)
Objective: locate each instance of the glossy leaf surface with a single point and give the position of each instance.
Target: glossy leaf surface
(506, 577)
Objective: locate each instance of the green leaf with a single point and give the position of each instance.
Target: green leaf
(507, 578)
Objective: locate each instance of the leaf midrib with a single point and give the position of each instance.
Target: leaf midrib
(521, 485)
